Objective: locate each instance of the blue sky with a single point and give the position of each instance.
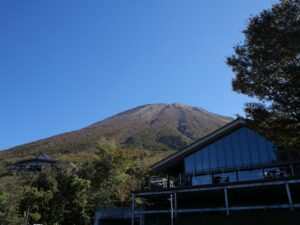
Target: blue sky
(67, 64)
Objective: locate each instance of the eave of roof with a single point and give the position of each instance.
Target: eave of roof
(45, 158)
(176, 157)
(36, 160)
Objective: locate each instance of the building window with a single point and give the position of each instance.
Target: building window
(240, 148)
(201, 180)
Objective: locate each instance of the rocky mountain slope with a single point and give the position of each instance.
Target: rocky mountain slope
(152, 127)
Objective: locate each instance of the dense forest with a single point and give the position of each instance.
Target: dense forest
(65, 196)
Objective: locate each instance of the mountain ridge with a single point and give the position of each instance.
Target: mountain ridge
(151, 127)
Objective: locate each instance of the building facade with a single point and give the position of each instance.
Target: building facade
(232, 169)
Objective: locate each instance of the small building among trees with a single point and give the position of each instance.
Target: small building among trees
(42, 161)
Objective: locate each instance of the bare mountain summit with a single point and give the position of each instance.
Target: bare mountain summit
(153, 127)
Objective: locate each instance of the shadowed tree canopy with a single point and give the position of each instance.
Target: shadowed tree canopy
(267, 67)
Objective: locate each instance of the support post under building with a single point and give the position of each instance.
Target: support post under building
(226, 201)
(132, 209)
(287, 187)
(175, 204)
(171, 209)
(142, 216)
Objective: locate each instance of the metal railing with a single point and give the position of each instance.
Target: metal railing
(227, 175)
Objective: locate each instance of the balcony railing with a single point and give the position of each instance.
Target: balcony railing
(226, 175)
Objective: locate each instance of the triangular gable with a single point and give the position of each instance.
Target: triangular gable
(43, 156)
(241, 147)
(179, 156)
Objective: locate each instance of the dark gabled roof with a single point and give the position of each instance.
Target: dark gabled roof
(40, 158)
(177, 157)
(44, 156)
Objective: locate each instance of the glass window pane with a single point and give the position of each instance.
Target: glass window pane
(230, 177)
(250, 175)
(205, 158)
(189, 164)
(199, 160)
(221, 154)
(236, 149)
(253, 146)
(263, 150)
(228, 152)
(245, 146)
(213, 156)
(241, 147)
(200, 180)
(224, 178)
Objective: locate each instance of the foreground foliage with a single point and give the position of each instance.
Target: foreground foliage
(56, 198)
(8, 213)
(68, 197)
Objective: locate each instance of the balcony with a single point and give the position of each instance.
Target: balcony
(245, 174)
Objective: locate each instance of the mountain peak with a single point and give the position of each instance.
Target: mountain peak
(178, 104)
(152, 127)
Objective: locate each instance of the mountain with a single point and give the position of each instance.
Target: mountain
(152, 127)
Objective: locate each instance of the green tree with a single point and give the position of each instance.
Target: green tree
(38, 199)
(109, 175)
(38, 204)
(267, 67)
(72, 199)
(8, 213)
(56, 198)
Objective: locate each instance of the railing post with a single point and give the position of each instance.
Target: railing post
(142, 216)
(237, 175)
(171, 209)
(175, 204)
(292, 170)
(226, 201)
(287, 187)
(180, 179)
(132, 209)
